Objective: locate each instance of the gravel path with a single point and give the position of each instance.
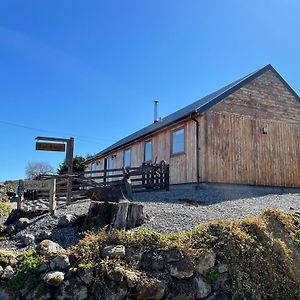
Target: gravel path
(166, 214)
(180, 209)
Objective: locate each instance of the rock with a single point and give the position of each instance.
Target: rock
(45, 235)
(181, 269)
(206, 262)
(42, 292)
(151, 290)
(113, 251)
(65, 220)
(72, 289)
(43, 267)
(8, 272)
(173, 255)
(181, 289)
(9, 230)
(16, 214)
(1, 271)
(9, 257)
(5, 294)
(47, 247)
(222, 268)
(22, 223)
(27, 239)
(86, 273)
(54, 278)
(71, 273)
(203, 288)
(152, 262)
(100, 290)
(218, 295)
(60, 263)
(119, 273)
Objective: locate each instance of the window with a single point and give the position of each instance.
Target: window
(127, 158)
(177, 141)
(109, 164)
(148, 151)
(93, 168)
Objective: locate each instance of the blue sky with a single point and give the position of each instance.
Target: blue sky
(91, 69)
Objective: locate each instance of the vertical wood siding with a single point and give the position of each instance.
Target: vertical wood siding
(239, 152)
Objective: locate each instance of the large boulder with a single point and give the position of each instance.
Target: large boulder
(47, 247)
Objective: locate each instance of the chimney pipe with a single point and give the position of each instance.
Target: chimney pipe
(155, 111)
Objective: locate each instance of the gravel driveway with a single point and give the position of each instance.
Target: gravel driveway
(179, 209)
(168, 214)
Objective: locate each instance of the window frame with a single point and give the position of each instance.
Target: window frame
(184, 140)
(124, 151)
(146, 142)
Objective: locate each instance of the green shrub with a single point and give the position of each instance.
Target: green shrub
(26, 273)
(211, 275)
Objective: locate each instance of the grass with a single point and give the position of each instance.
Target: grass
(262, 253)
(4, 209)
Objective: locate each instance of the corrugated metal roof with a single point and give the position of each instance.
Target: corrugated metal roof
(199, 106)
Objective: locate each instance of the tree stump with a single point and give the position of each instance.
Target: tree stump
(122, 215)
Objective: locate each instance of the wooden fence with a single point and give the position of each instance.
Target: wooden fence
(147, 177)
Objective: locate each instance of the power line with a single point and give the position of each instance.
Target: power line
(80, 137)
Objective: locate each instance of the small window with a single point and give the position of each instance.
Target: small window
(148, 151)
(127, 158)
(177, 141)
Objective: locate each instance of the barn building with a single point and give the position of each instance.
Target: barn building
(245, 133)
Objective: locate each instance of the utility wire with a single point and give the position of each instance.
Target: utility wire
(78, 137)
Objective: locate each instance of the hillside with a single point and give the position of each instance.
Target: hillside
(251, 258)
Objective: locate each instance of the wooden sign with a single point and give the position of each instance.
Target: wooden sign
(50, 147)
(40, 185)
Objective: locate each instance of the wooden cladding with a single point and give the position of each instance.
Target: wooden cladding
(237, 151)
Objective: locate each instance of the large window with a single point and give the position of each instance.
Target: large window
(177, 141)
(148, 151)
(127, 158)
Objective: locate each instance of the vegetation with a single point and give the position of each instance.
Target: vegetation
(35, 169)
(211, 275)
(262, 253)
(4, 208)
(78, 165)
(26, 273)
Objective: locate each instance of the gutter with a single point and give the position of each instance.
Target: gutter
(197, 147)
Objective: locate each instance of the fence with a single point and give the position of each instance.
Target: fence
(147, 177)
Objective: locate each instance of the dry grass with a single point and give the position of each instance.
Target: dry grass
(262, 252)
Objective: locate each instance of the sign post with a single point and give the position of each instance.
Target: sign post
(40, 185)
(58, 144)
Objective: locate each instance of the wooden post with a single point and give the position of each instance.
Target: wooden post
(69, 160)
(20, 194)
(52, 200)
